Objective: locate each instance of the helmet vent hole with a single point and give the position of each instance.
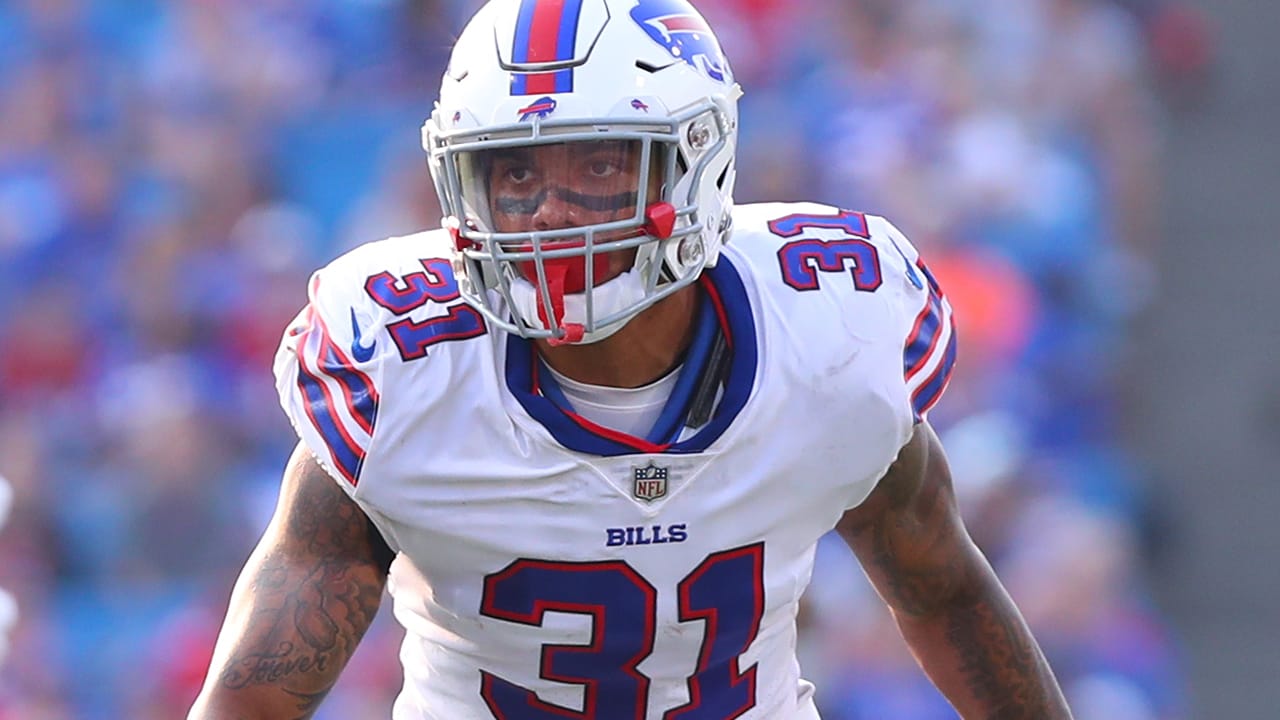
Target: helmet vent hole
(720, 180)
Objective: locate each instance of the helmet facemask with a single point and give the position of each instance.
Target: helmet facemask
(555, 274)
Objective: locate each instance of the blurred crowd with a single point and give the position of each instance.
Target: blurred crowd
(172, 170)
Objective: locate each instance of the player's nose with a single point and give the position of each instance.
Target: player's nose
(555, 212)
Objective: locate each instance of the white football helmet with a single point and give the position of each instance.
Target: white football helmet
(649, 73)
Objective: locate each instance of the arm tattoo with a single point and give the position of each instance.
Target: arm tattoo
(962, 625)
(913, 513)
(308, 616)
(313, 625)
(999, 665)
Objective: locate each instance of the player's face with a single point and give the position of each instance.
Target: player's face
(552, 187)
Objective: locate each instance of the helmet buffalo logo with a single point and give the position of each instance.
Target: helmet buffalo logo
(638, 104)
(541, 107)
(678, 28)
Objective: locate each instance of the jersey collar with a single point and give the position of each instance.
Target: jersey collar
(727, 311)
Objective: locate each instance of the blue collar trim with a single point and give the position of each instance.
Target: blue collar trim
(725, 308)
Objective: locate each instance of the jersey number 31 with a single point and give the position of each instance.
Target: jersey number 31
(801, 259)
(725, 592)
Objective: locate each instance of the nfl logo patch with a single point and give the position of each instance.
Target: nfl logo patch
(650, 482)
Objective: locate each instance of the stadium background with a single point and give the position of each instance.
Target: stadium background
(1079, 172)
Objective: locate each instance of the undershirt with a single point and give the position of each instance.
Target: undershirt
(630, 410)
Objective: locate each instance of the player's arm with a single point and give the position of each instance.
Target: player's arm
(303, 601)
(959, 622)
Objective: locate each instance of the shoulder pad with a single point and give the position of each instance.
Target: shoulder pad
(929, 350)
(861, 267)
(368, 311)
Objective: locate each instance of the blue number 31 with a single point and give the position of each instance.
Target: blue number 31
(435, 283)
(726, 591)
(802, 259)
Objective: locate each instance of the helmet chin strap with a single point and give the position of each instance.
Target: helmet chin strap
(556, 275)
(570, 310)
(569, 274)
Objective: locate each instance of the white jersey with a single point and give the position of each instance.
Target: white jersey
(552, 568)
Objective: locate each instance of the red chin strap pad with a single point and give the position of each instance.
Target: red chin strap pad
(555, 286)
(556, 275)
(573, 333)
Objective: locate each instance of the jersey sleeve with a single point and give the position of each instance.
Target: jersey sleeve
(327, 375)
(929, 334)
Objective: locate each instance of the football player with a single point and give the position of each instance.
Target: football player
(589, 432)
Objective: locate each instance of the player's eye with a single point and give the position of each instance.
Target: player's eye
(517, 174)
(602, 168)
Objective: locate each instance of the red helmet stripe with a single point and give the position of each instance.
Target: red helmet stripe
(546, 31)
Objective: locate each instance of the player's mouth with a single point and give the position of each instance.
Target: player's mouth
(570, 272)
